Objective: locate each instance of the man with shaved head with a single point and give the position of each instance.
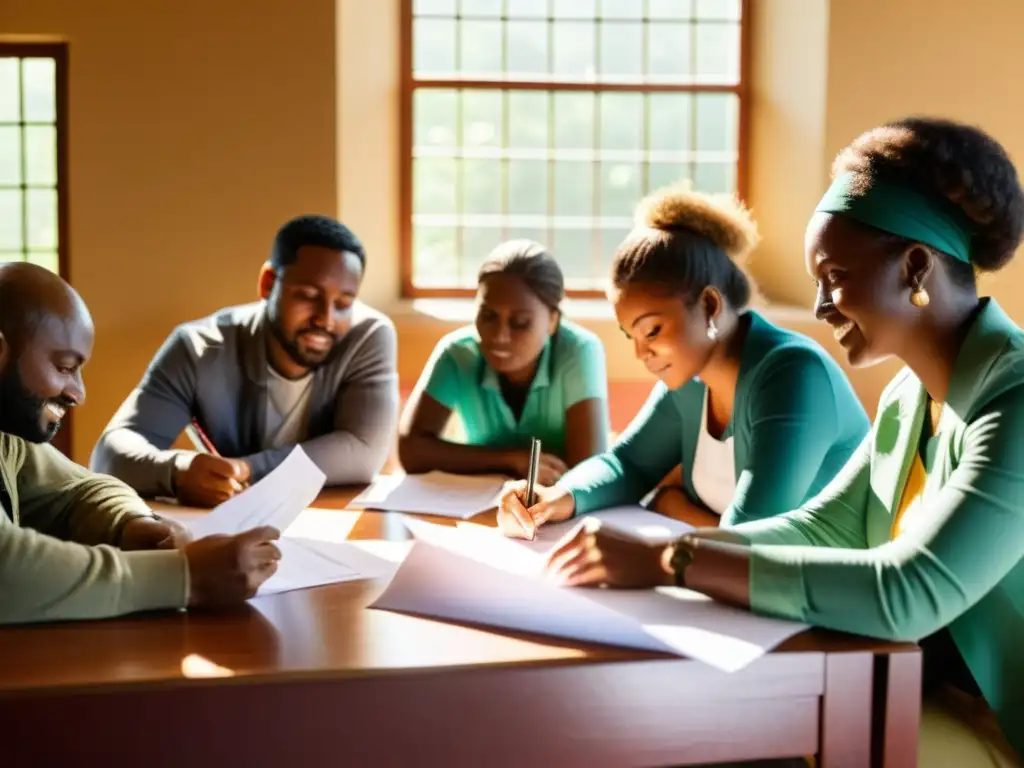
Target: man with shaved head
(73, 544)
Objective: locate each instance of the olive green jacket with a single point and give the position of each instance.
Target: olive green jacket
(59, 527)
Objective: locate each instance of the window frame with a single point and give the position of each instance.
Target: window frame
(409, 84)
(59, 53)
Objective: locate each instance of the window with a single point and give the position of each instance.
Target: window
(31, 155)
(549, 119)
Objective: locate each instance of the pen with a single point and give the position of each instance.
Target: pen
(531, 480)
(204, 444)
(198, 438)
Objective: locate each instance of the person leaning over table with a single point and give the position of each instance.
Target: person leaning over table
(74, 544)
(520, 371)
(760, 418)
(921, 536)
(307, 365)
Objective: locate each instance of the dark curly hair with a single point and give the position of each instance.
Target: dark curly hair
(953, 161)
(531, 263)
(313, 229)
(685, 241)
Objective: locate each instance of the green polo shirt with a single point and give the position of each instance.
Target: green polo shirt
(571, 369)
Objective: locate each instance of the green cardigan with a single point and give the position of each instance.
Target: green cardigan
(832, 563)
(796, 421)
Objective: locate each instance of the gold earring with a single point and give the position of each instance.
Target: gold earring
(920, 298)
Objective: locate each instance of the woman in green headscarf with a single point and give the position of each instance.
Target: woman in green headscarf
(921, 535)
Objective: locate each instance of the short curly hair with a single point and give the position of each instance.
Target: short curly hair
(313, 229)
(953, 161)
(685, 241)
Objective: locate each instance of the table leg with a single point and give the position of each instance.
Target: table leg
(846, 708)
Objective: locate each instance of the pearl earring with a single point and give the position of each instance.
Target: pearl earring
(712, 329)
(920, 298)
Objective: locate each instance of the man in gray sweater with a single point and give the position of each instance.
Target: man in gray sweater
(307, 365)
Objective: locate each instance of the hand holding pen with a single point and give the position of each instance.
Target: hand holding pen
(525, 504)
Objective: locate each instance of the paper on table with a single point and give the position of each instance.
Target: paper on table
(275, 500)
(469, 574)
(311, 563)
(433, 493)
(633, 521)
(436, 582)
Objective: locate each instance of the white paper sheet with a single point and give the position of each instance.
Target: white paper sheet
(432, 493)
(309, 563)
(275, 500)
(633, 521)
(470, 574)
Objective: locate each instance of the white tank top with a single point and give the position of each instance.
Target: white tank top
(714, 467)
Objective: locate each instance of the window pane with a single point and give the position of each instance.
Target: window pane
(41, 155)
(528, 187)
(622, 9)
(482, 118)
(528, 233)
(8, 257)
(664, 174)
(716, 122)
(718, 9)
(481, 186)
(622, 45)
(718, 52)
(714, 177)
(9, 100)
(434, 115)
(10, 155)
(434, 261)
(526, 9)
(574, 9)
(669, 114)
(42, 218)
(575, 53)
(434, 185)
(39, 77)
(481, 48)
(527, 48)
(446, 7)
(528, 119)
(434, 46)
(46, 259)
(574, 188)
(574, 251)
(574, 120)
(668, 52)
(477, 244)
(10, 220)
(620, 188)
(480, 7)
(622, 121)
(670, 9)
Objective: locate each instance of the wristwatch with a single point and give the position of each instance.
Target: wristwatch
(682, 556)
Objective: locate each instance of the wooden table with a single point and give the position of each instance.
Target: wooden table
(311, 678)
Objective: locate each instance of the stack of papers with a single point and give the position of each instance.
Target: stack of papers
(433, 493)
(473, 575)
(277, 500)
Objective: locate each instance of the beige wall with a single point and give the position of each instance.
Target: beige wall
(198, 127)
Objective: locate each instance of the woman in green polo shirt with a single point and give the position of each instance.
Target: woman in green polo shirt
(759, 418)
(921, 536)
(521, 371)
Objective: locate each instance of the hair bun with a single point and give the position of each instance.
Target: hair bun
(721, 218)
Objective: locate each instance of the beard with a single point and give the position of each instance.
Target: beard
(21, 412)
(310, 360)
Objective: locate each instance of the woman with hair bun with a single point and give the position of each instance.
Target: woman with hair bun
(759, 418)
(921, 535)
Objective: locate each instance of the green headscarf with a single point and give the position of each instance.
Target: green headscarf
(900, 210)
